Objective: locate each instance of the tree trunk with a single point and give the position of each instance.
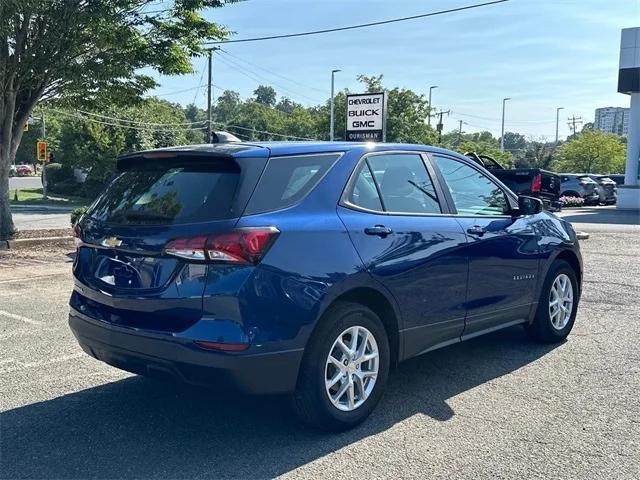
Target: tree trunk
(7, 112)
(7, 228)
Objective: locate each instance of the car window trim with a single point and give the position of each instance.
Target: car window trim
(490, 177)
(344, 198)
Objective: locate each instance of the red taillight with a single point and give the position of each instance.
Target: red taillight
(77, 235)
(222, 347)
(244, 245)
(536, 184)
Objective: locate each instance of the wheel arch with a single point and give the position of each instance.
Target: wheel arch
(572, 259)
(381, 305)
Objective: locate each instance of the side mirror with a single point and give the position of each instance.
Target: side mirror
(528, 206)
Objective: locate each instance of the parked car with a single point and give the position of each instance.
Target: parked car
(619, 179)
(579, 185)
(607, 189)
(311, 268)
(12, 171)
(534, 182)
(21, 170)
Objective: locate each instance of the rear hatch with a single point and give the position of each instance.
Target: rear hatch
(157, 201)
(609, 186)
(590, 186)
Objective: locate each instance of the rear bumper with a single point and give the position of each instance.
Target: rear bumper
(163, 355)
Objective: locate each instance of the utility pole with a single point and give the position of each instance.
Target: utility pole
(44, 163)
(332, 118)
(504, 101)
(460, 132)
(572, 123)
(430, 108)
(440, 125)
(209, 96)
(557, 122)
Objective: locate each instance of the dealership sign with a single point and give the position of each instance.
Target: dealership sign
(366, 117)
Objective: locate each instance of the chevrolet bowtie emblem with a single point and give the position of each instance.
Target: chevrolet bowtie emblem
(111, 242)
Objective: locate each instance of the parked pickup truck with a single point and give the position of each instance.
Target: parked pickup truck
(533, 182)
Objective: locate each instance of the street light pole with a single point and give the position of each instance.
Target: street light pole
(557, 121)
(332, 119)
(504, 101)
(429, 114)
(209, 97)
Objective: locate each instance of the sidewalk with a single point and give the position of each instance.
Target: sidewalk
(603, 219)
(35, 217)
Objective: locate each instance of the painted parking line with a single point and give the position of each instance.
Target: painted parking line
(43, 363)
(19, 317)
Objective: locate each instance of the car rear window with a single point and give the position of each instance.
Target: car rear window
(165, 193)
(287, 180)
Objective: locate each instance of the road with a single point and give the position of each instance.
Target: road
(35, 219)
(494, 407)
(24, 182)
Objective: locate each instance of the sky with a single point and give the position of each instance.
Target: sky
(542, 54)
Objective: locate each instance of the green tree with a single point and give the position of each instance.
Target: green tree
(88, 52)
(265, 95)
(592, 152)
(514, 142)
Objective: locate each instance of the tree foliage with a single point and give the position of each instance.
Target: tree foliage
(77, 52)
(592, 152)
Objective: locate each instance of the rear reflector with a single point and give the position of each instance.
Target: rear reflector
(188, 248)
(222, 347)
(536, 184)
(243, 246)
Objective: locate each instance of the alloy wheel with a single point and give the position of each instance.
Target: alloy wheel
(561, 301)
(352, 368)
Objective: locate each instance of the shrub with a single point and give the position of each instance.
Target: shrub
(57, 173)
(76, 214)
(64, 187)
(572, 201)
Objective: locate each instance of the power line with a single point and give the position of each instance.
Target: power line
(361, 25)
(264, 131)
(259, 78)
(499, 120)
(185, 124)
(272, 72)
(132, 127)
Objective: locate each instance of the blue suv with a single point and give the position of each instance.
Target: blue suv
(311, 269)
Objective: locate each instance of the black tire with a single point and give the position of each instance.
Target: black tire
(310, 401)
(541, 329)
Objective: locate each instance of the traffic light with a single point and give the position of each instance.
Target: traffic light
(41, 148)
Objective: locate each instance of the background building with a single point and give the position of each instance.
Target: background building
(612, 120)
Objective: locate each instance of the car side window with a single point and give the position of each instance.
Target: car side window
(404, 183)
(364, 193)
(473, 193)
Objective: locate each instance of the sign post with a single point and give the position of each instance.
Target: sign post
(366, 117)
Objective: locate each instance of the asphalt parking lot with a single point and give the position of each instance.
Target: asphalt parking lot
(497, 406)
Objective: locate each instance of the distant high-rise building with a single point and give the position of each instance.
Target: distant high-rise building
(612, 120)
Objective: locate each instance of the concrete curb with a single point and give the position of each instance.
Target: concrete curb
(31, 242)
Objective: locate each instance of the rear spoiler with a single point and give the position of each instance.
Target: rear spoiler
(224, 161)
